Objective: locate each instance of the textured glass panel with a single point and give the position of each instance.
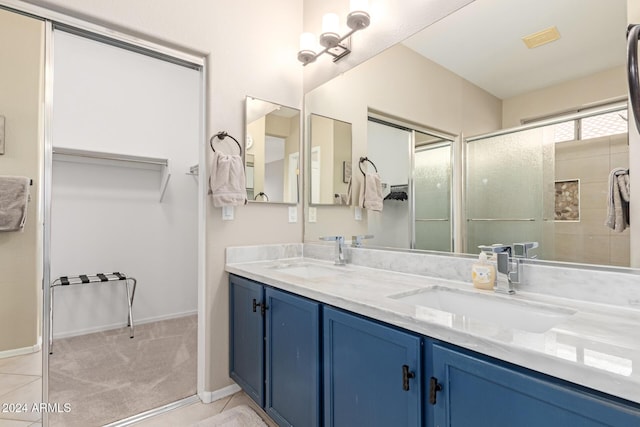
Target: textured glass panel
(505, 181)
(604, 124)
(565, 131)
(433, 235)
(432, 178)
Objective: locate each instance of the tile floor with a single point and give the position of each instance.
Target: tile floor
(20, 382)
(199, 411)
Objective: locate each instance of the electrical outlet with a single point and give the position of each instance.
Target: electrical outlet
(313, 214)
(358, 213)
(227, 213)
(293, 214)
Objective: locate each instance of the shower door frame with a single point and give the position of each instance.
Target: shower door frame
(455, 192)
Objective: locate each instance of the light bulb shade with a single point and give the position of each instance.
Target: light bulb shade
(359, 5)
(308, 42)
(330, 23)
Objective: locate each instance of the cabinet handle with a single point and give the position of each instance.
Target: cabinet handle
(406, 375)
(263, 307)
(434, 388)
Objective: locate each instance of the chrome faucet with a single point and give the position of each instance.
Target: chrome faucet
(340, 259)
(509, 269)
(356, 241)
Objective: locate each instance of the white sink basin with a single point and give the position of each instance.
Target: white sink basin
(309, 271)
(503, 311)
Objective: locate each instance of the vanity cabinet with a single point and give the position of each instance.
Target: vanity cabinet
(469, 390)
(275, 351)
(372, 373)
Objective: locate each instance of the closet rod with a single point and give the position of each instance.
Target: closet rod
(109, 156)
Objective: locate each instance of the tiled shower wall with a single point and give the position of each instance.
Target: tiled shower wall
(589, 240)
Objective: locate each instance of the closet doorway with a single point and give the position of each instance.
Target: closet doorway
(126, 129)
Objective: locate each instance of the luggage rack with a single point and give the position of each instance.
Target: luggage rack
(97, 278)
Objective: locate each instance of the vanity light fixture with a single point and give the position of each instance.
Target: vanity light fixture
(330, 39)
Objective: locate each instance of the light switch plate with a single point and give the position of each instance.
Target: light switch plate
(293, 214)
(227, 213)
(358, 213)
(313, 214)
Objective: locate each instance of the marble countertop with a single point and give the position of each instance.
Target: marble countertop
(598, 346)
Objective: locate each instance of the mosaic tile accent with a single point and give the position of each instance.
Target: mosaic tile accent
(567, 200)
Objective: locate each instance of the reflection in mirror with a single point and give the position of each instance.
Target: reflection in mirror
(21, 89)
(330, 161)
(416, 207)
(272, 152)
(443, 81)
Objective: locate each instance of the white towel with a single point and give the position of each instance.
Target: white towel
(618, 200)
(371, 192)
(227, 182)
(14, 198)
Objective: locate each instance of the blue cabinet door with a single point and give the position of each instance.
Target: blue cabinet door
(292, 360)
(371, 373)
(246, 336)
(476, 392)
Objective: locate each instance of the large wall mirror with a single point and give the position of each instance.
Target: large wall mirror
(272, 152)
(521, 141)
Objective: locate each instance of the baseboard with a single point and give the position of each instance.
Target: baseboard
(22, 351)
(212, 396)
(122, 325)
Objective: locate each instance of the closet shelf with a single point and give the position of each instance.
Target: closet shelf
(116, 159)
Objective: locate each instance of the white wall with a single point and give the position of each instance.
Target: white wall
(108, 218)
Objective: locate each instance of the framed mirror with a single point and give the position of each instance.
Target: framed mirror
(330, 163)
(480, 97)
(272, 149)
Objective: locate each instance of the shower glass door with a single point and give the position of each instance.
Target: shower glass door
(432, 193)
(509, 189)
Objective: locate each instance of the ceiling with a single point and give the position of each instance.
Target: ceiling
(482, 42)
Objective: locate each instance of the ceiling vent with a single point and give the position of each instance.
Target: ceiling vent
(545, 36)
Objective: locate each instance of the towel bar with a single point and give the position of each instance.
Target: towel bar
(97, 278)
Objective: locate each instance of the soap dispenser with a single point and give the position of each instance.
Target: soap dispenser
(483, 273)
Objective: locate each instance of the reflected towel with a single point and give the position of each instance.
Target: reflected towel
(14, 198)
(227, 182)
(618, 200)
(371, 192)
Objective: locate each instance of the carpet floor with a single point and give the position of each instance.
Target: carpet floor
(107, 376)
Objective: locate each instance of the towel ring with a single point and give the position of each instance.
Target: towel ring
(261, 194)
(365, 159)
(222, 135)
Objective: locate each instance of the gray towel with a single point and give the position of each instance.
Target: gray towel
(14, 198)
(618, 200)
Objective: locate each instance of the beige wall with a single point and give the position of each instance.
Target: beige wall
(589, 240)
(21, 77)
(583, 92)
(402, 84)
(322, 138)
